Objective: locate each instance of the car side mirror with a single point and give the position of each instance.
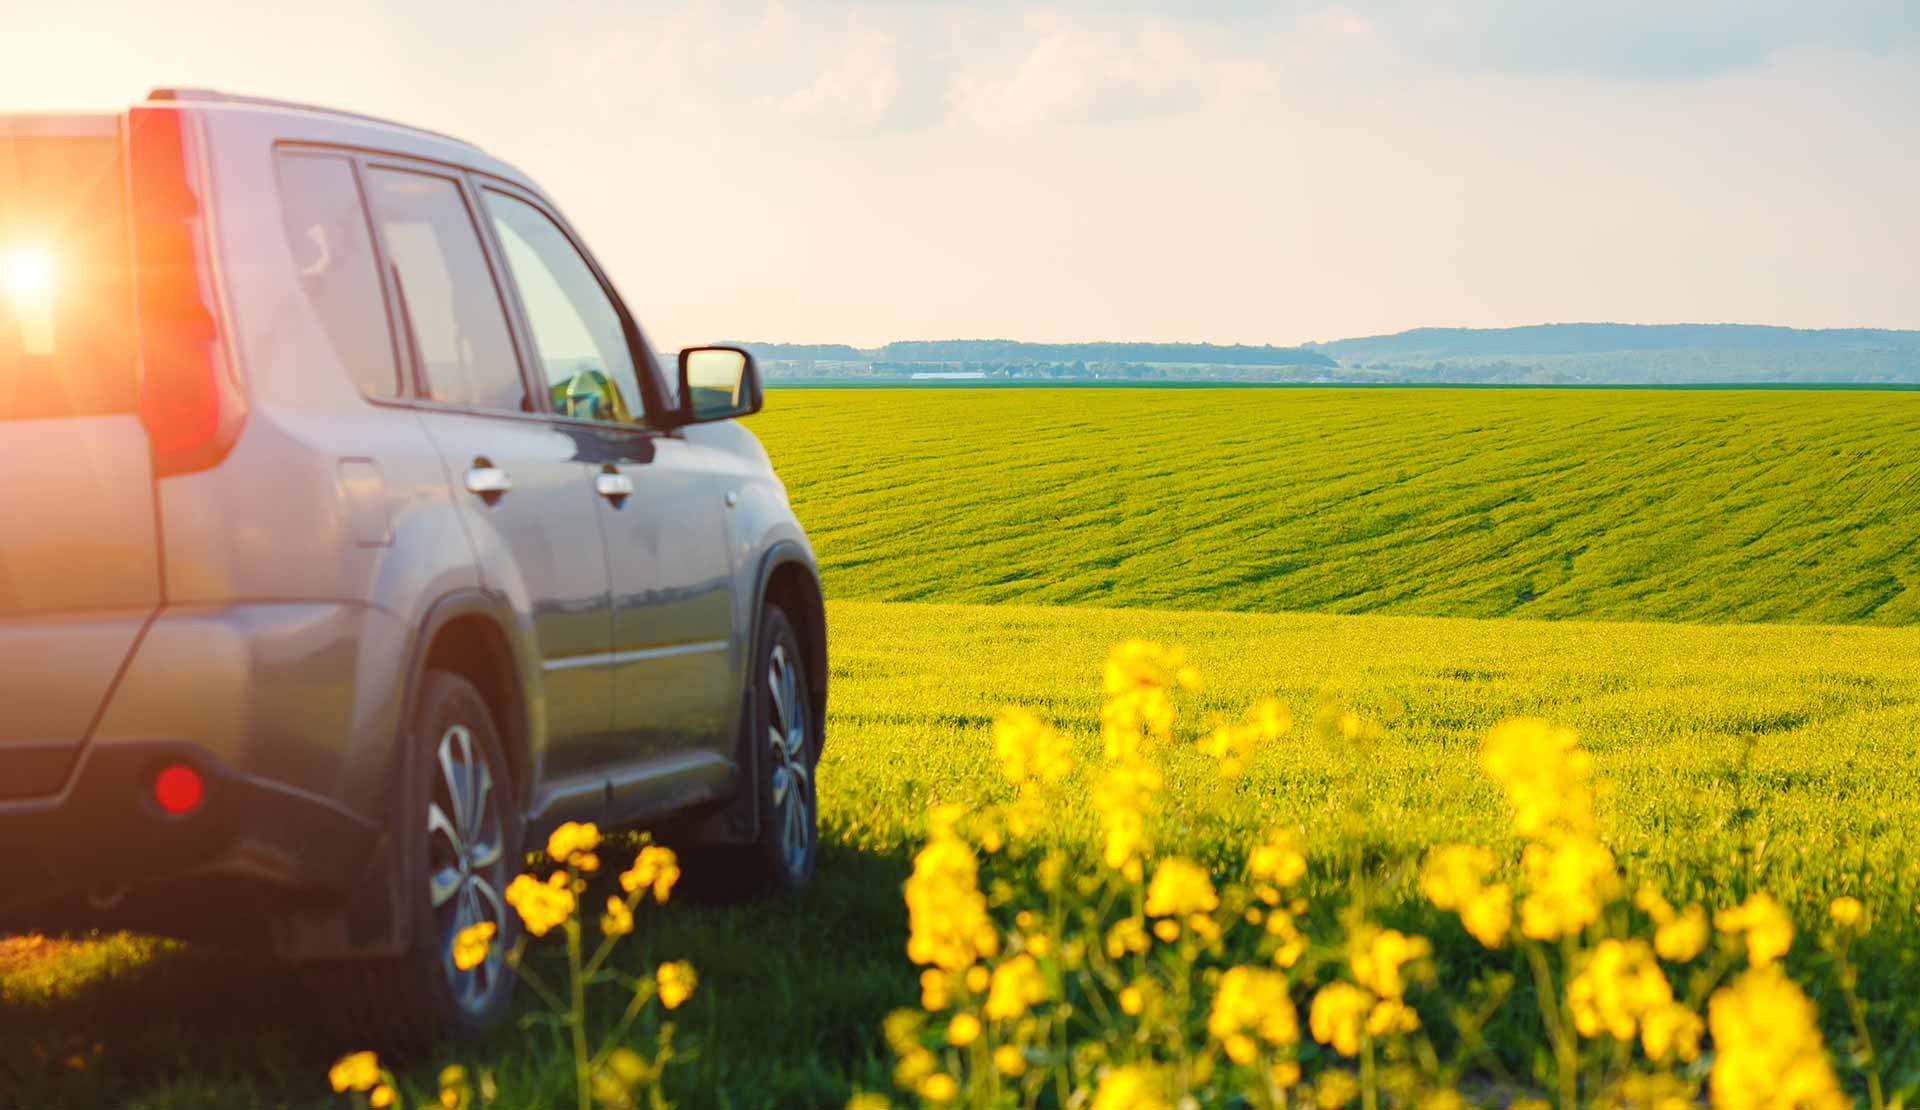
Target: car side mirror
(717, 383)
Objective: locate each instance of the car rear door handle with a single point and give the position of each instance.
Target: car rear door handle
(613, 486)
(487, 480)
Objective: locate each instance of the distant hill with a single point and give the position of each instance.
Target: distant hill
(1634, 353)
(801, 352)
(1007, 350)
(1598, 354)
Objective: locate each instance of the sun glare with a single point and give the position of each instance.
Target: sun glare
(26, 273)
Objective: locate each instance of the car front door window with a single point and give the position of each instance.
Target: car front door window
(580, 337)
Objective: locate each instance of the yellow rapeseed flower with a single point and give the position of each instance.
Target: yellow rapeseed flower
(1016, 985)
(1671, 1029)
(1124, 798)
(456, 1092)
(1768, 929)
(1546, 775)
(1335, 1088)
(542, 906)
(1140, 677)
(1132, 1000)
(356, 1071)
(471, 943)
(1681, 937)
(618, 920)
(574, 844)
(1377, 957)
(1180, 887)
(1453, 877)
(963, 1030)
(676, 980)
(1009, 1061)
(1390, 1015)
(1846, 911)
(1028, 749)
(936, 990)
(1336, 1015)
(1130, 1088)
(1619, 983)
(1453, 873)
(1277, 859)
(1127, 936)
(1767, 1051)
(1252, 1002)
(1677, 936)
(867, 1100)
(1568, 880)
(655, 869)
(946, 913)
(939, 1087)
(380, 1097)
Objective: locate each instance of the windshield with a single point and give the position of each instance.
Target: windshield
(66, 302)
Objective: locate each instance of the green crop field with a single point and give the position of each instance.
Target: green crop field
(1779, 753)
(1596, 504)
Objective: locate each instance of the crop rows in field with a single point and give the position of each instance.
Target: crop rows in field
(1602, 504)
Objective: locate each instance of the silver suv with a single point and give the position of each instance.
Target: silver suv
(351, 539)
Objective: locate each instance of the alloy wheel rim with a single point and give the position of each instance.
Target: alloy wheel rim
(466, 858)
(787, 745)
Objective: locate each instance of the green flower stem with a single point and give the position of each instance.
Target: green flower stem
(577, 1017)
(1858, 1013)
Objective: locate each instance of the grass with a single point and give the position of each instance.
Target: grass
(1740, 756)
(1561, 504)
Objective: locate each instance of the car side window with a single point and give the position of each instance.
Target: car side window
(451, 311)
(589, 367)
(333, 250)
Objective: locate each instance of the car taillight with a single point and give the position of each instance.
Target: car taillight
(178, 789)
(189, 401)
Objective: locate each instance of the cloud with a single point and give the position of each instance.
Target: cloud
(1660, 40)
(1070, 68)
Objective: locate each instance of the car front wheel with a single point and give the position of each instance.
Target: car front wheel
(789, 755)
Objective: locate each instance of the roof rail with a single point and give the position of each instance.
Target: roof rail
(215, 96)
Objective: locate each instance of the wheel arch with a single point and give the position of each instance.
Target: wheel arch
(789, 580)
(465, 636)
(472, 634)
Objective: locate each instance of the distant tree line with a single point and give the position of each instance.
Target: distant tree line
(1010, 352)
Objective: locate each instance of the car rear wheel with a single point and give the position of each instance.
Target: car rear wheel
(468, 867)
(457, 857)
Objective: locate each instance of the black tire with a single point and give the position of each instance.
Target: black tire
(406, 1001)
(781, 745)
(782, 705)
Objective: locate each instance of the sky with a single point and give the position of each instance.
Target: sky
(1215, 170)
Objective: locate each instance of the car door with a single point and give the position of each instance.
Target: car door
(662, 505)
(525, 492)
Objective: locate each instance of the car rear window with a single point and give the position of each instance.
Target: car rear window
(66, 296)
(332, 246)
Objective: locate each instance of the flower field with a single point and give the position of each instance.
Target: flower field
(1392, 858)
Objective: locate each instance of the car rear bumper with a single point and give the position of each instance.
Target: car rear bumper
(287, 711)
(104, 853)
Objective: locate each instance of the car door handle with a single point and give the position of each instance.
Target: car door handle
(614, 487)
(487, 480)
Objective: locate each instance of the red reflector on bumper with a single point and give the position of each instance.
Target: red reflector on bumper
(178, 789)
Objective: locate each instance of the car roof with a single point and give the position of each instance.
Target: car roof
(335, 126)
